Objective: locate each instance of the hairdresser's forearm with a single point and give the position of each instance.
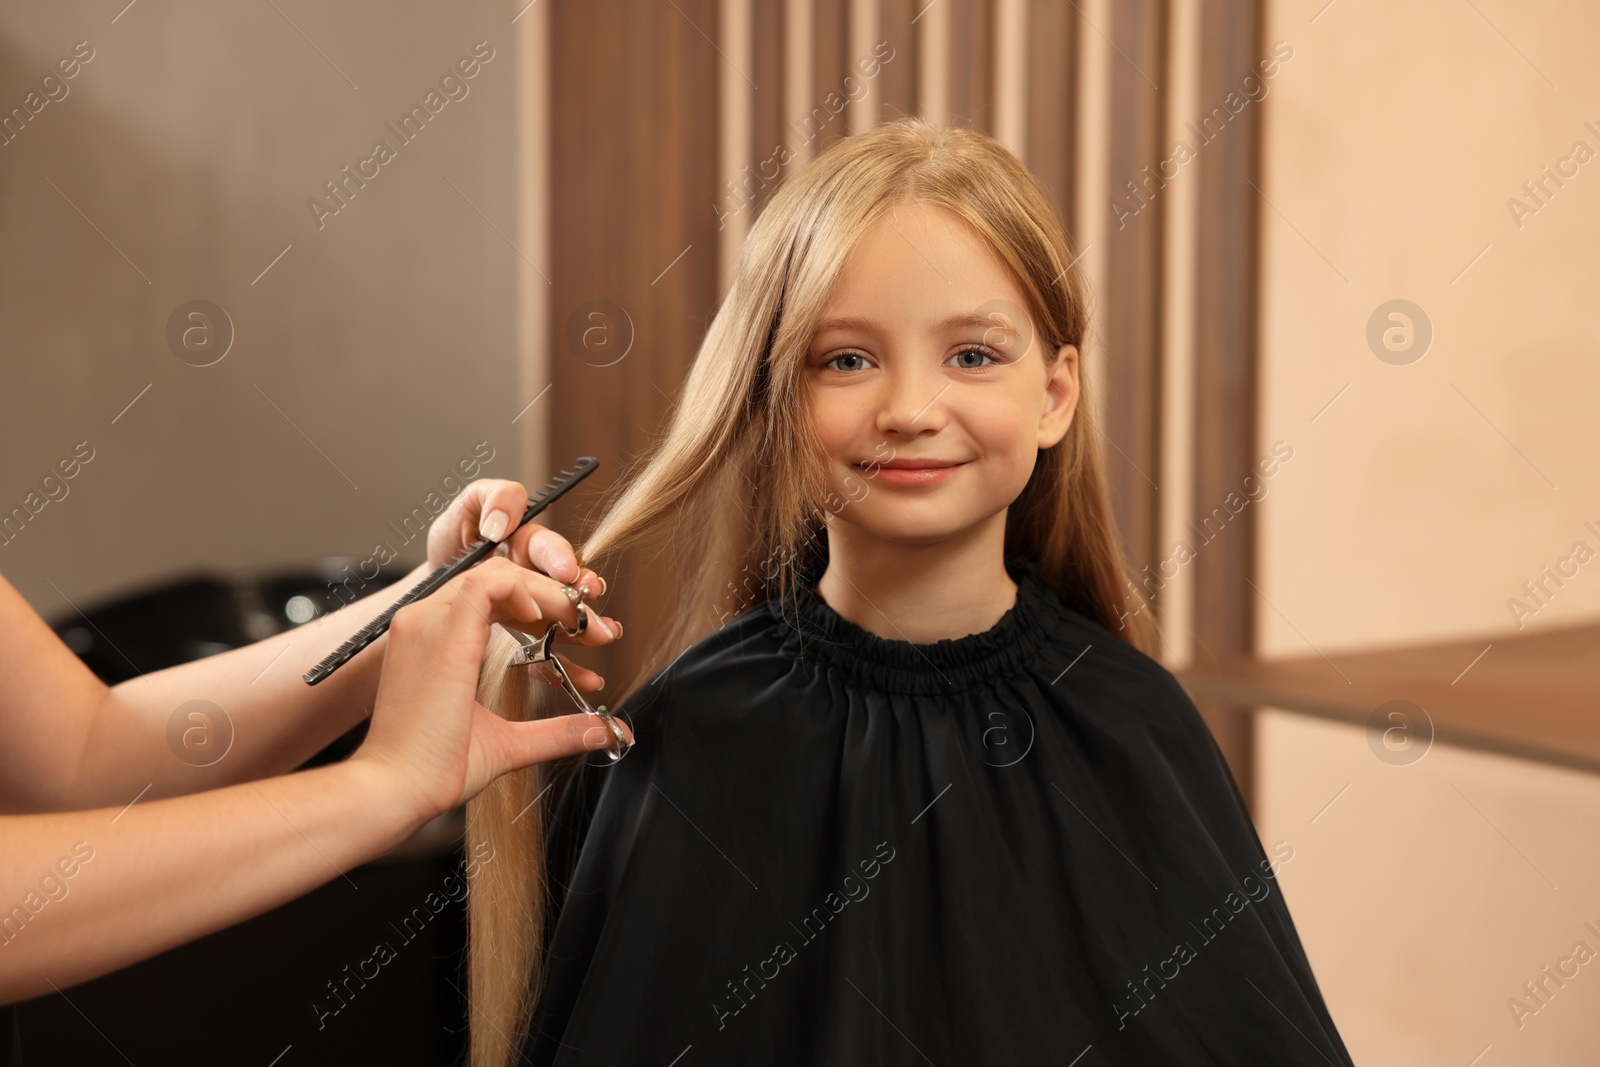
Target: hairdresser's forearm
(164, 872)
(277, 721)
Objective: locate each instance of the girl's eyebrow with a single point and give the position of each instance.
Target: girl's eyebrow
(862, 324)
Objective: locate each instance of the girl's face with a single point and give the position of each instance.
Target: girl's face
(924, 358)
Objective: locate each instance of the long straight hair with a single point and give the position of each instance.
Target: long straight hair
(736, 486)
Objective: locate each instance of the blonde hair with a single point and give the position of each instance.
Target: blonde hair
(742, 435)
(506, 899)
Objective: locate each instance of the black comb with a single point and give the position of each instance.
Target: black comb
(471, 555)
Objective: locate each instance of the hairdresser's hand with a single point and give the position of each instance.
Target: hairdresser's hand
(428, 730)
(487, 508)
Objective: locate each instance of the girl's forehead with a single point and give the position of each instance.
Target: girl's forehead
(922, 261)
(908, 232)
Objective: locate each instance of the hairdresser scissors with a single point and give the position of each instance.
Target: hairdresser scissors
(533, 650)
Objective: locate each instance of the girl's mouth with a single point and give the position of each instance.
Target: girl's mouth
(909, 474)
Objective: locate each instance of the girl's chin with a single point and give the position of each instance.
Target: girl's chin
(903, 524)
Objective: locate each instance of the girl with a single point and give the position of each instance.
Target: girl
(927, 798)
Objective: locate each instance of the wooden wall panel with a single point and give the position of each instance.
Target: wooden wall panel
(897, 80)
(1225, 446)
(766, 112)
(1131, 300)
(633, 175)
(970, 64)
(830, 62)
(1052, 107)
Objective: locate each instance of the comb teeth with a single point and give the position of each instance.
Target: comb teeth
(468, 556)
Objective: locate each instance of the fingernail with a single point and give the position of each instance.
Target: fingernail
(494, 525)
(603, 585)
(617, 626)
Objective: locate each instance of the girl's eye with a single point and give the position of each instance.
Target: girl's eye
(976, 350)
(844, 356)
(860, 360)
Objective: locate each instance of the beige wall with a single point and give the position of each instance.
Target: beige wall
(193, 140)
(1423, 498)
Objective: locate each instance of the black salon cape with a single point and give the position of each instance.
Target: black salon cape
(1021, 846)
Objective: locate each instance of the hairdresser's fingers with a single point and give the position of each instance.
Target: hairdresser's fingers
(498, 590)
(488, 507)
(506, 593)
(558, 606)
(514, 596)
(509, 746)
(420, 729)
(423, 723)
(598, 586)
(601, 629)
(545, 550)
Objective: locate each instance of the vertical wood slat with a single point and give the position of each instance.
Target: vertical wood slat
(633, 177)
(533, 238)
(766, 49)
(1010, 71)
(798, 75)
(1175, 608)
(767, 105)
(829, 64)
(863, 35)
(932, 26)
(735, 156)
(1131, 302)
(970, 63)
(897, 80)
(1051, 113)
(1226, 360)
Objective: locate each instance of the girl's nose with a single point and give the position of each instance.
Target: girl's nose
(912, 403)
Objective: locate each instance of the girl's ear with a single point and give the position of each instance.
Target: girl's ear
(1060, 397)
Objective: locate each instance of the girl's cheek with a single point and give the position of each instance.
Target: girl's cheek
(836, 431)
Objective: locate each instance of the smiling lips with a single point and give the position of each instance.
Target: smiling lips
(905, 473)
(917, 464)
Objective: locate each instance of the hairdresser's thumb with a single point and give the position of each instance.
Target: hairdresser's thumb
(544, 740)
